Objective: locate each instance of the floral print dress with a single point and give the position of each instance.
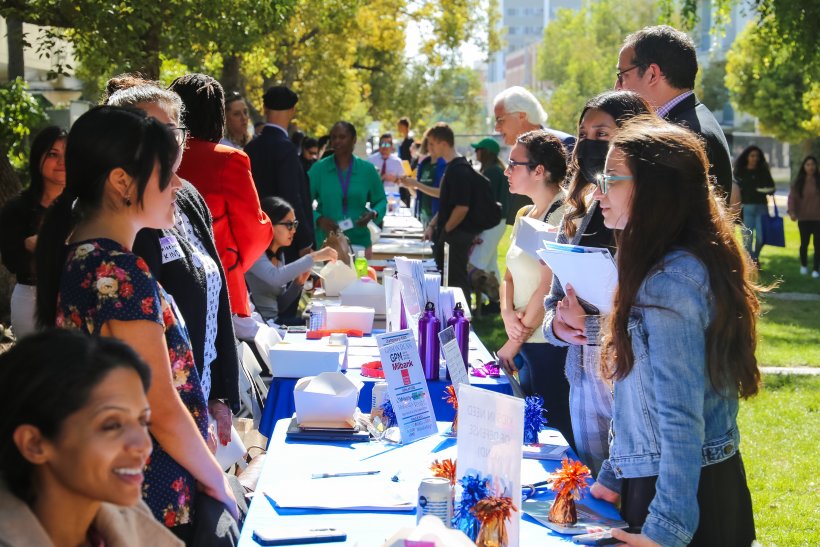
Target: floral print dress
(103, 281)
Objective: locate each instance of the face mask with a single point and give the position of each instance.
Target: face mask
(591, 157)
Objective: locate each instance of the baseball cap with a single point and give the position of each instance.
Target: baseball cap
(487, 144)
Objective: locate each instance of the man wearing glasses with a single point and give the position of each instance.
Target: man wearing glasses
(517, 111)
(387, 164)
(659, 63)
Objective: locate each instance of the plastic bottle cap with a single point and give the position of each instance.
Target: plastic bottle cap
(360, 254)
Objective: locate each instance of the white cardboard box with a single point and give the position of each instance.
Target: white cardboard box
(308, 358)
(531, 235)
(365, 292)
(330, 397)
(349, 317)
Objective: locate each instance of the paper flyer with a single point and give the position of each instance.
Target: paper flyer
(452, 356)
(490, 429)
(407, 387)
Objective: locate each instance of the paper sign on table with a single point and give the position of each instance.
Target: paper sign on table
(452, 356)
(490, 429)
(407, 387)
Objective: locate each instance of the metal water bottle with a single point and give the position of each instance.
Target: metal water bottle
(429, 327)
(402, 314)
(461, 326)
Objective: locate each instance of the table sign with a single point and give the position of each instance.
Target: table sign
(490, 429)
(406, 386)
(453, 358)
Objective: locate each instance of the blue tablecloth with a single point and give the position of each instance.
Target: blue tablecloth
(289, 460)
(280, 403)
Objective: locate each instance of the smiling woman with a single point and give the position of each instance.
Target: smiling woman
(73, 471)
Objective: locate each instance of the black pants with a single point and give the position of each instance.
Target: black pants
(809, 229)
(460, 243)
(724, 500)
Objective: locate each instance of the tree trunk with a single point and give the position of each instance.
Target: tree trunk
(9, 187)
(14, 26)
(231, 79)
(150, 63)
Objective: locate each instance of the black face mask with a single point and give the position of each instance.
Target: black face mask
(591, 157)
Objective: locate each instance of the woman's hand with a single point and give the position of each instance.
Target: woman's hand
(409, 182)
(324, 254)
(326, 224)
(601, 492)
(569, 323)
(221, 491)
(638, 540)
(365, 218)
(506, 356)
(224, 420)
(30, 243)
(516, 330)
(428, 233)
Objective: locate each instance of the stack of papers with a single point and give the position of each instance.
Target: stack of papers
(351, 493)
(590, 270)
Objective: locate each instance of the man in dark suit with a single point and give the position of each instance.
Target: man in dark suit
(276, 168)
(659, 63)
(517, 111)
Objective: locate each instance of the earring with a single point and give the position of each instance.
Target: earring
(127, 201)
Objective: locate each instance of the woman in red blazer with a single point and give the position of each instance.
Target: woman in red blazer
(222, 175)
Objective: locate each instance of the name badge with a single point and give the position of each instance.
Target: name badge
(170, 249)
(346, 224)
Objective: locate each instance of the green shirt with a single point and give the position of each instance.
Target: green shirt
(500, 187)
(365, 186)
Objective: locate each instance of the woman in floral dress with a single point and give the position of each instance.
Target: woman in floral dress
(119, 179)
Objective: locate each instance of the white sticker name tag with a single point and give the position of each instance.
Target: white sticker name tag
(345, 224)
(170, 249)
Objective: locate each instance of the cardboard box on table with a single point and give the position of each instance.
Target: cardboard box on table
(328, 399)
(307, 358)
(365, 292)
(350, 317)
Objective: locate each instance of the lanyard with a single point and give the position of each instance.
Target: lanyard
(345, 184)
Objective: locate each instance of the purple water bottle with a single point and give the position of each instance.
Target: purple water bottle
(402, 314)
(461, 326)
(429, 327)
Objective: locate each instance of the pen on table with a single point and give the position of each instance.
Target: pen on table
(346, 474)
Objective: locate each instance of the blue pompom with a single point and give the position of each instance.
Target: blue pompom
(389, 413)
(534, 420)
(474, 489)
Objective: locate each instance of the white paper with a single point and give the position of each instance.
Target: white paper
(230, 453)
(592, 274)
(408, 389)
(490, 430)
(532, 233)
(452, 356)
(356, 493)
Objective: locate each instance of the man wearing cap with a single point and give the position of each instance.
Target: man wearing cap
(276, 168)
(387, 164)
(485, 254)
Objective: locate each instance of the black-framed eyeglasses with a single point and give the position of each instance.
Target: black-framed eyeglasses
(513, 163)
(604, 182)
(620, 74)
(180, 132)
(290, 225)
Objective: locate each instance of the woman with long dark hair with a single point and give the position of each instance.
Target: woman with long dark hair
(753, 177)
(680, 344)
(119, 180)
(21, 217)
(236, 121)
(74, 450)
(567, 322)
(804, 207)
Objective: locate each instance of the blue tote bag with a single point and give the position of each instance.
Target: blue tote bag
(773, 232)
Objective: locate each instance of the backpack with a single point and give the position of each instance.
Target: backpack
(485, 211)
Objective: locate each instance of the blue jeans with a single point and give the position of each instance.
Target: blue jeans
(753, 221)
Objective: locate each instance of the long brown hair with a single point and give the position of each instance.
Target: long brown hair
(674, 207)
(621, 105)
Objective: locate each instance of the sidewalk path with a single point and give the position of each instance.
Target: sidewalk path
(800, 371)
(793, 296)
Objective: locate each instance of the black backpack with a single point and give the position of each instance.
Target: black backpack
(485, 211)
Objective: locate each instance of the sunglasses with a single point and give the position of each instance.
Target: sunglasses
(604, 182)
(620, 74)
(291, 225)
(179, 133)
(385, 144)
(513, 163)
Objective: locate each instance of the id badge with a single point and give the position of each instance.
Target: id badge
(170, 249)
(346, 224)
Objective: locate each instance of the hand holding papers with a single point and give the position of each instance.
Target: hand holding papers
(590, 270)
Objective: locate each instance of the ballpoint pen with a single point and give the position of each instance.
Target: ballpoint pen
(345, 474)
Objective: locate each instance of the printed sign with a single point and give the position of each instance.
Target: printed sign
(490, 429)
(406, 386)
(453, 358)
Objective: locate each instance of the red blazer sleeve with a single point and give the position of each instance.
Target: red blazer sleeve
(251, 228)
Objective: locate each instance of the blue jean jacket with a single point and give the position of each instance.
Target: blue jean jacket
(667, 420)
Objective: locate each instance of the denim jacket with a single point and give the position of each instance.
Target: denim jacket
(667, 419)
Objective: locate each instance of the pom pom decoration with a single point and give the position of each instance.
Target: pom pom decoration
(492, 512)
(568, 483)
(534, 420)
(452, 400)
(474, 489)
(388, 413)
(445, 469)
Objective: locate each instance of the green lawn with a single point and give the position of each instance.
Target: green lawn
(781, 265)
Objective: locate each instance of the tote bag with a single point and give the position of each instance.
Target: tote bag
(773, 231)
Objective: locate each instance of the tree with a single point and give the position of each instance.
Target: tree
(19, 114)
(773, 78)
(712, 89)
(579, 52)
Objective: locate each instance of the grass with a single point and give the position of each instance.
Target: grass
(780, 427)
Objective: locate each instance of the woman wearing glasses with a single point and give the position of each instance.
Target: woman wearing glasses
(275, 285)
(680, 345)
(184, 260)
(567, 322)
